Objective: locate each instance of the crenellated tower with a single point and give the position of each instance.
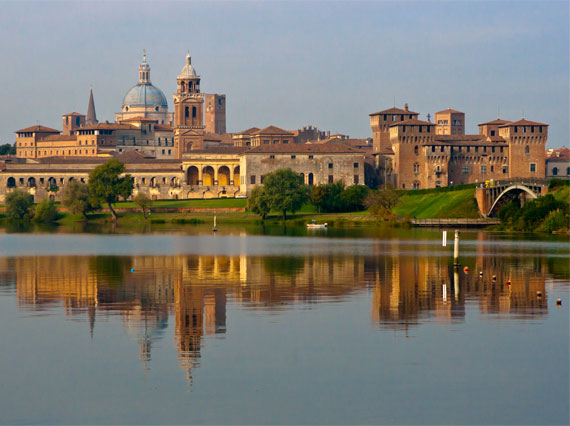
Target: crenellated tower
(188, 111)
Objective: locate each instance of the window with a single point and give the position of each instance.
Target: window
(285, 141)
(416, 168)
(483, 170)
(261, 179)
(330, 179)
(186, 112)
(465, 170)
(330, 165)
(272, 157)
(533, 167)
(356, 179)
(555, 171)
(356, 165)
(505, 170)
(252, 179)
(275, 141)
(265, 142)
(501, 149)
(526, 149)
(492, 169)
(293, 157)
(438, 184)
(492, 133)
(492, 149)
(433, 149)
(310, 156)
(169, 152)
(416, 150)
(193, 112)
(416, 185)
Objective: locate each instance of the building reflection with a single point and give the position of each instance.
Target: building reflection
(148, 292)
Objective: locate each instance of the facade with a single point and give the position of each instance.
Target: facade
(558, 163)
(145, 100)
(215, 114)
(270, 135)
(381, 121)
(318, 164)
(419, 154)
(450, 122)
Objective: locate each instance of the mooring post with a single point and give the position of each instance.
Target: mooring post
(456, 249)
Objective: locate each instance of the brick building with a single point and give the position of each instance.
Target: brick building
(416, 154)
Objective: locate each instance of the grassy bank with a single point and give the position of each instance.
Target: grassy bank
(439, 204)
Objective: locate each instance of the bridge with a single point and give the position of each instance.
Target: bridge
(491, 197)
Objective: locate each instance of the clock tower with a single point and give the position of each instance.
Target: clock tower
(188, 111)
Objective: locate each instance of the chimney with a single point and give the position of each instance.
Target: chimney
(406, 107)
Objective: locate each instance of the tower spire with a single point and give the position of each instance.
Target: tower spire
(91, 115)
(144, 71)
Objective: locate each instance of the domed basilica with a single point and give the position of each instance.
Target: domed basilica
(145, 100)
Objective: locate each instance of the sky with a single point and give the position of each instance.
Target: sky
(292, 64)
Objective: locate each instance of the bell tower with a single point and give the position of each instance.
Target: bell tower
(188, 111)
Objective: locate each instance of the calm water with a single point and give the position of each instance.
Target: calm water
(343, 327)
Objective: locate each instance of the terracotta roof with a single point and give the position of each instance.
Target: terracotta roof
(451, 111)
(498, 121)
(71, 160)
(219, 150)
(141, 118)
(248, 131)
(74, 114)
(163, 127)
(562, 154)
(523, 122)
(132, 156)
(394, 111)
(225, 138)
(272, 130)
(295, 148)
(49, 138)
(453, 138)
(108, 126)
(350, 142)
(413, 122)
(37, 129)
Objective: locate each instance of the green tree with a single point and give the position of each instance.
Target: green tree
(46, 212)
(145, 203)
(381, 202)
(18, 205)
(258, 202)
(285, 191)
(352, 198)
(106, 184)
(76, 198)
(7, 149)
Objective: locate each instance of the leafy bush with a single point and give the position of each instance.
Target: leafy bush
(334, 197)
(18, 205)
(382, 202)
(534, 214)
(46, 212)
(556, 182)
(555, 221)
(76, 198)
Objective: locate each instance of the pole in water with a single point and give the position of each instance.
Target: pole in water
(456, 249)
(214, 224)
(444, 241)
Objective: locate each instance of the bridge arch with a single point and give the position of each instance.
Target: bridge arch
(511, 191)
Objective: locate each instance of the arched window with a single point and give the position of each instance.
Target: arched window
(416, 150)
(416, 168)
(11, 182)
(193, 112)
(568, 171)
(186, 112)
(526, 149)
(555, 171)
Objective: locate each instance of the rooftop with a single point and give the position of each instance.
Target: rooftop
(394, 110)
(37, 129)
(523, 122)
(450, 111)
(413, 122)
(294, 148)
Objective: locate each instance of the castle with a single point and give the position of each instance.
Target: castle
(188, 154)
(415, 154)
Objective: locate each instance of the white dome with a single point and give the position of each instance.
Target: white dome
(188, 70)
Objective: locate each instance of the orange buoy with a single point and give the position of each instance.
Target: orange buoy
(508, 282)
(494, 278)
(466, 269)
(559, 302)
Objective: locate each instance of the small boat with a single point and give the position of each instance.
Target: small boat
(314, 225)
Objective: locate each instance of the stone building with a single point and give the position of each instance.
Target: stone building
(270, 135)
(558, 163)
(318, 164)
(415, 154)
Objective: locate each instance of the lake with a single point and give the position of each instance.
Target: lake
(283, 326)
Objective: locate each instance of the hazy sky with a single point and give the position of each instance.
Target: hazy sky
(292, 64)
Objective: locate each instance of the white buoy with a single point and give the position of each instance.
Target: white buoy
(444, 241)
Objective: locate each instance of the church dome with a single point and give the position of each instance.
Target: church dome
(145, 95)
(188, 70)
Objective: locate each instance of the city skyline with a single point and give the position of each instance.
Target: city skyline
(296, 64)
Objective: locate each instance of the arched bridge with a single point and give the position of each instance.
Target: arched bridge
(491, 197)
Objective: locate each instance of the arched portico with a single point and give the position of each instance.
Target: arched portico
(192, 175)
(223, 176)
(236, 175)
(11, 182)
(208, 176)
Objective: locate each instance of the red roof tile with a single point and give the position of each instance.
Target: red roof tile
(451, 111)
(37, 129)
(294, 148)
(413, 122)
(272, 130)
(74, 114)
(498, 121)
(394, 111)
(523, 122)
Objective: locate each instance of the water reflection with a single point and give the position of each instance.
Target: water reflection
(148, 293)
